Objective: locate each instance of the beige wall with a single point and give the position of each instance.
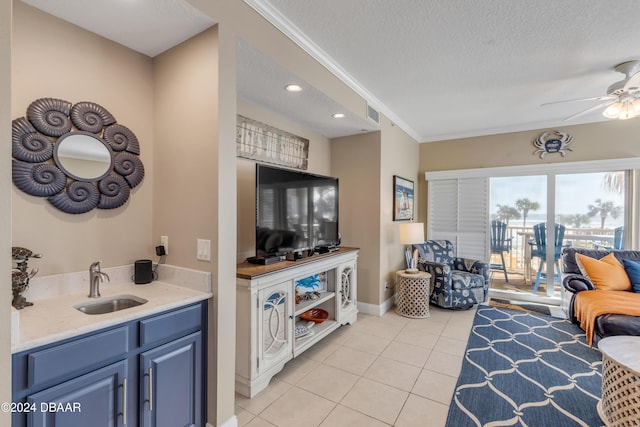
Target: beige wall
(355, 160)
(596, 141)
(319, 163)
(195, 193)
(52, 58)
(186, 147)
(365, 165)
(221, 405)
(5, 206)
(400, 156)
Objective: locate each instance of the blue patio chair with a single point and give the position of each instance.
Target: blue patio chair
(618, 239)
(499, 245)
(539, 249)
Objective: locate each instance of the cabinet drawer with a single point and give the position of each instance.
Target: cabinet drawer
(171, 325)
(75, 356)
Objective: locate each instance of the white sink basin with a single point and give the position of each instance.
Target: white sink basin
(109, 304)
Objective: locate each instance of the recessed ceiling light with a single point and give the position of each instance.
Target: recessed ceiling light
(338, 116)
(293, 88)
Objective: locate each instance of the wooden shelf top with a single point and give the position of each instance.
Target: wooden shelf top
(249, 271)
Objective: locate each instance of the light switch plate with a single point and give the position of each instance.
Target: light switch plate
(204, 250)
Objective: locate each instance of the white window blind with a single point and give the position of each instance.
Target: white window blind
(459, 212)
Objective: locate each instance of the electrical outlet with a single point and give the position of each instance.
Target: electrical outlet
(164, 241)
(204, 250)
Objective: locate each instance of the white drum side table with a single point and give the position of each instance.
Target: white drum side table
(620, 402)
(412, 294)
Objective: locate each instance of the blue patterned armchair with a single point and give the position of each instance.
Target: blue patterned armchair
(457, 282)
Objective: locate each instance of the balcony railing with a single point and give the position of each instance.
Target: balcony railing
(519, 260)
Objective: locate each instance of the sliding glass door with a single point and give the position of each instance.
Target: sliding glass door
(546, 213)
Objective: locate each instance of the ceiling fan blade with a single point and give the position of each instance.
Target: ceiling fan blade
(633, 83)
(593, 98)
(588, 110)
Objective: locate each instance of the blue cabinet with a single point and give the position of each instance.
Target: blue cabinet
(147, 372)
(95, 399)
(172, 383)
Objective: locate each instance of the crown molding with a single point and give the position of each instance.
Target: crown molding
(289, 29)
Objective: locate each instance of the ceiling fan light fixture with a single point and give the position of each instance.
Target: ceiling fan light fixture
(628, 110)
(613, 110)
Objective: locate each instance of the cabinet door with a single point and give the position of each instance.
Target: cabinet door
(274, 325)
(95, 399)
(347, 303)
(171, 387)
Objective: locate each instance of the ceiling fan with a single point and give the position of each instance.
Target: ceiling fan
(622, 100)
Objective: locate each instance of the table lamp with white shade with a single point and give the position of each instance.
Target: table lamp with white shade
(411, 233)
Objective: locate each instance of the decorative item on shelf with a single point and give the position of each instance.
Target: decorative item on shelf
(316, 315)
(411, 233)
(20, 276)
(552, 142)
(402, 199)
(303, 330)
(313, 283)
(75, 155)
(310, 296)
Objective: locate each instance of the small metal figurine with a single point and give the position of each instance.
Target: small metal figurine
(20, 276)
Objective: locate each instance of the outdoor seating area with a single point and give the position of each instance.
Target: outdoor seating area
(524, 256)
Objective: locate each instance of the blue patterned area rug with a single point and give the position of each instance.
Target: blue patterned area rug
(523, 369)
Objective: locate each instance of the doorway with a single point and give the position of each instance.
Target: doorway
(519, 202)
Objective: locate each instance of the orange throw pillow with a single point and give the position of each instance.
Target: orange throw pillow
(607, 274)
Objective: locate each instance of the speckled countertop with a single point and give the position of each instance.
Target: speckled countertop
(54, 318)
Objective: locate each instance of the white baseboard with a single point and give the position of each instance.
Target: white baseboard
(231, 422)
(376, 310)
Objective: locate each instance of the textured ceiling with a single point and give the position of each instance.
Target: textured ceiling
(457, 68)
(439, 69)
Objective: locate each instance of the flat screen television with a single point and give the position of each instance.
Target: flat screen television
(295, 211)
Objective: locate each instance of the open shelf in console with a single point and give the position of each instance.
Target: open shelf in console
(305, 305)
(317, 290)
(318, 331)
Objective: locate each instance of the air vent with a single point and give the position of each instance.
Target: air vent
(373, 114)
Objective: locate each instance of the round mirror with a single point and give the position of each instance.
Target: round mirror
(83, 156)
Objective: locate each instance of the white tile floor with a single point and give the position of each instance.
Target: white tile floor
(381, 371)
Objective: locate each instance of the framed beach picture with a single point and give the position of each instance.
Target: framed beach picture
(402, 199)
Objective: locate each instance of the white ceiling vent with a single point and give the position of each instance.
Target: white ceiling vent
(373, 114)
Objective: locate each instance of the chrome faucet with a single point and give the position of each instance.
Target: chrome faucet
(95, 277)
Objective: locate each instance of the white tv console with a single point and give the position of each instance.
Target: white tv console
(267, 312)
